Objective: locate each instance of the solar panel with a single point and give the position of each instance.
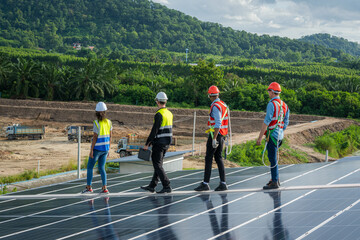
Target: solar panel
(316, 201)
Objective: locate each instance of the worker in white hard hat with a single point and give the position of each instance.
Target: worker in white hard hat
(160, 138)
(100, 147)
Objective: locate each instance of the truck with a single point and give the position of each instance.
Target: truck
(21, 131)
(128, 145)
(132, 144)
(86, 133)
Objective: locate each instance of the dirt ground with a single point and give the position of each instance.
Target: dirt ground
(55, 150)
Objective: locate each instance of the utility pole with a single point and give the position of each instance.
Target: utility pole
(193, 140)
(186, 53)
(79, 153)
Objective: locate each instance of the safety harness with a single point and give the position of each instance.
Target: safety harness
(270, 131)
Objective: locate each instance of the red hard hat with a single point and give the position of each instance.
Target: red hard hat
(275, 87)
(213, 90)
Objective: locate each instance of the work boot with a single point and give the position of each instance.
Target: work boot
(272, 185)
(87, 190)
(148, 188)
(221, 187)
(165, 190)
(202, 187)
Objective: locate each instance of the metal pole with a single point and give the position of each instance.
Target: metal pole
(38, 168)
(326, 155)
(200, 150)
(186, 54)
(193, 142)
(79, 153)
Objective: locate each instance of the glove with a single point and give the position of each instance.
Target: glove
(215, 144)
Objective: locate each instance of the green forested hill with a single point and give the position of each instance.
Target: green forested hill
(113, 26)
(329, 41)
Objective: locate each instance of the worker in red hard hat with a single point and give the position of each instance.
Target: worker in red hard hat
(275, 122)
(218, 129)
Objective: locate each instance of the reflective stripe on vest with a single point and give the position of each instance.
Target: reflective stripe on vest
(280, 109)
(224, 117)
(165, 130)
(103, 140)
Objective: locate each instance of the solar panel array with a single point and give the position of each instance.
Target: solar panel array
(327, 213)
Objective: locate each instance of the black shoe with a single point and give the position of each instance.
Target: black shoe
(148, 188)
(272, 185)
(165, 190)
(202, 187)
(221, 187)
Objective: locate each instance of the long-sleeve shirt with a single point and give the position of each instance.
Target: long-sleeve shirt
(155, 128)
(278, 132)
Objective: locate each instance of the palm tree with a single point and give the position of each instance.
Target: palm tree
(5, 70)
(96, 77)
(51, 80)
(25, 73)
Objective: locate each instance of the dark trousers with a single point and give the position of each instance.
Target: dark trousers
(272, 154)
(157, 155)
(210, 154)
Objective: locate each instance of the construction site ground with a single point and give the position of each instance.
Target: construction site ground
(55, 150)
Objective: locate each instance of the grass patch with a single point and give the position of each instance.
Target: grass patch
(32, 174)
(249, 154)
(189, 169)
(339, 144)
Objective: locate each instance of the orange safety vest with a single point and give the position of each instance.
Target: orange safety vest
(224, 117)
(280, 110)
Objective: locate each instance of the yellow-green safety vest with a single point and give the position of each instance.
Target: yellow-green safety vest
(103, 140)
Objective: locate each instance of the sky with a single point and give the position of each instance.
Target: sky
(285, 18)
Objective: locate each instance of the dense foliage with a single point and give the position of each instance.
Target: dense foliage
(117, 28)
(308, 88)
(339, 144)
(329, 41)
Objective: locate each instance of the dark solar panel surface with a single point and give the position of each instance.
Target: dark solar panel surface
(313, 214)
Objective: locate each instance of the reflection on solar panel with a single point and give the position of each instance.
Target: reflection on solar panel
(329, 210)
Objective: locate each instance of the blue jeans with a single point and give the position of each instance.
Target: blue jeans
(272, 154)
(101, 158)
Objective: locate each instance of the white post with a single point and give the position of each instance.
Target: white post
(79, 153)
(193, 142)
(38, 168)
(326, 155)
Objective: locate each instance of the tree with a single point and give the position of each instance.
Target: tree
(24, 78)
(204, 75)
(96, 78)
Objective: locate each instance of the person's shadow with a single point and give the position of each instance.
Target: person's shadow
(217, 227)
(164, 202)
(101, 218)
(278, 229)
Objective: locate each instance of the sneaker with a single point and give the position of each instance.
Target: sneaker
(202, 187)
(148, 188)
(87, 190)
(271, 185)
(165, 190)
(105, 191)
(221, 187)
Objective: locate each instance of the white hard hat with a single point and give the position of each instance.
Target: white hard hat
(100, 107)
(161, 97)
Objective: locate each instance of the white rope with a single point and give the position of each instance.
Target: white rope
(228, 143)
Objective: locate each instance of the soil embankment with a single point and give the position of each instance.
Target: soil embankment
(55, 151)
